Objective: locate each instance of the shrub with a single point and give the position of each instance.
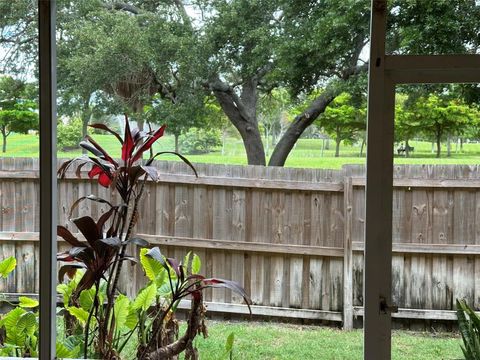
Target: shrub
(200, 141)
(69, 135)
(469, 326)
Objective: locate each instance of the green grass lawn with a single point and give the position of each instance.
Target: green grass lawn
(257, 341)
(307, 153)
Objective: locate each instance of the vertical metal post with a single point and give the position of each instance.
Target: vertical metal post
(48, 179)
(378, 220)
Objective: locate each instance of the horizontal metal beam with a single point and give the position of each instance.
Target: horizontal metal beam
(433, 69)
(420, 314)
(432, 62)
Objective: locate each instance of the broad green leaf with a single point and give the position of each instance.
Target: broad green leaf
(229, 342)
(154, 269)
(79, 313)
(27, 324)
(14, 337)
(165, 290)
(196, 264)
(132, 318)
(121, 310)
(62, 351)
(145, 298)
(86, 299)
(7, 266)
(26, 302)
(66, 291)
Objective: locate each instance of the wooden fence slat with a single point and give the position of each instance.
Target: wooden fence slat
(348, 256)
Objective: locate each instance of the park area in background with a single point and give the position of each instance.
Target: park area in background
(306, 154)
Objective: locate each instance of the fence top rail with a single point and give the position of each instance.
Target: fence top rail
(267, 184)
(292, 185)
(426, 183)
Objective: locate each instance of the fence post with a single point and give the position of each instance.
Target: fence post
(348, 255)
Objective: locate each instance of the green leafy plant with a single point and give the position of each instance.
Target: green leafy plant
(229, 347)
(19, 328)
(200, 141)
(469, 326)
(105, 317)
(69, 134)
(7, 266)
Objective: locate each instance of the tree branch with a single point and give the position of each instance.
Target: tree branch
(122, 6)
(194, 325)
(226, 93)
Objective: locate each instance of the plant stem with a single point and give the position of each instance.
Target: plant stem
(118, 269)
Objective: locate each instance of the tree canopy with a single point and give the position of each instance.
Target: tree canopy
(163, 61)
(17, 108)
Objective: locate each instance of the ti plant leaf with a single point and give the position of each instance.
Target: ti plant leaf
(7, 266)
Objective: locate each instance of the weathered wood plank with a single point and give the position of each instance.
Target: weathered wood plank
(348, 256)
(428, 183)
(216, 181)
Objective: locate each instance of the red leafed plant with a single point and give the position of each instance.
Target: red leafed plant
(102, 251)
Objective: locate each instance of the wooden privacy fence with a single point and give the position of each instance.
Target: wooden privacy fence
(292, 237)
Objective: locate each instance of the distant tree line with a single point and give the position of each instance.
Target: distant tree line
(239, 64)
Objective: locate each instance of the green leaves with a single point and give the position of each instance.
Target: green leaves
(10, 321)
(64, 351)
(79, 313)
(7, 266)
(121, 310)
(469, 326)
(150, 266)
(192, 263)
(87, 298)
(21, 328)
(145, 298)
(27, 324)
(26, 302)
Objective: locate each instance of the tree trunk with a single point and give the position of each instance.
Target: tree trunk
(361, 147)
(241, 111)
(407, 149)
(252, 141)
(4, 144)
(177, 148)
(337, 146)
(461, 144)
(267, 145)
(449, 146)
(298, 126)
(224, 138)
(439, 146)
(84, 130)
(85, 116)
(194, 327)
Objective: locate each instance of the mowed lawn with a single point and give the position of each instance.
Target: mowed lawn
(262, 341)
(307, 153)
